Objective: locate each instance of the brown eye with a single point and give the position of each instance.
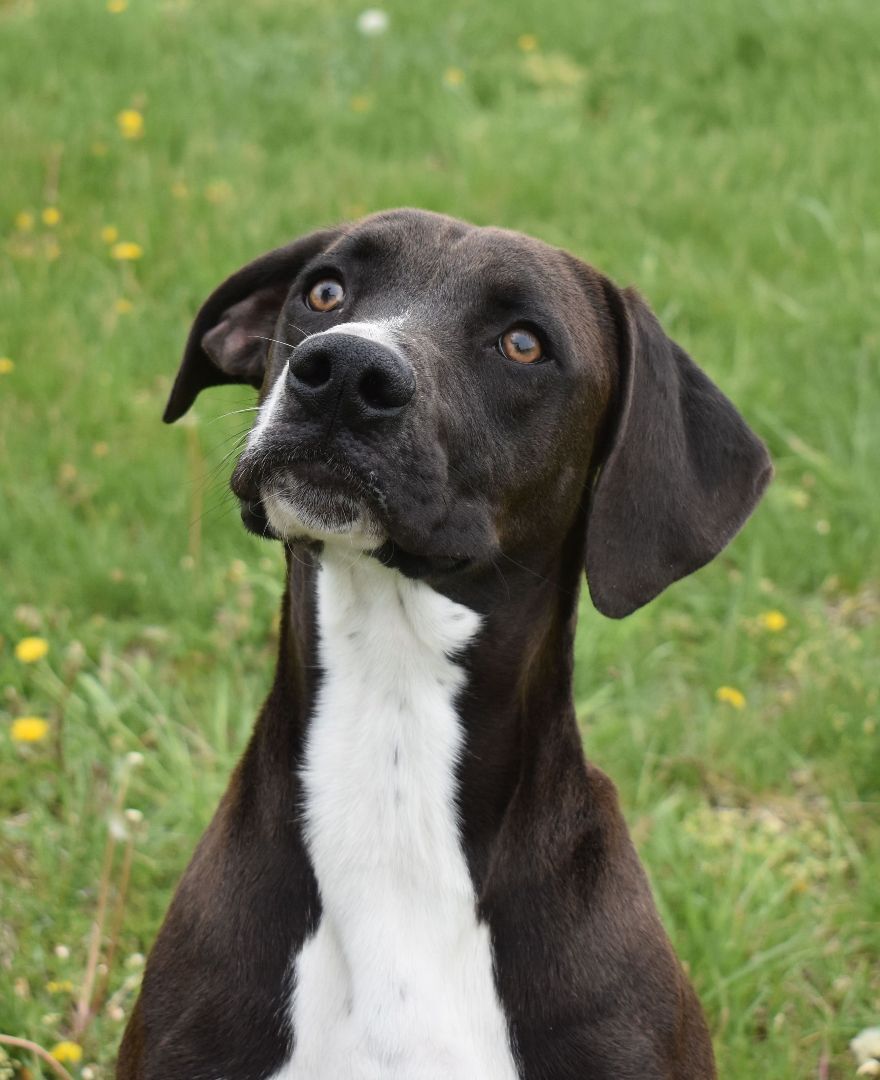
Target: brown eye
(520, 345)
(325, 295)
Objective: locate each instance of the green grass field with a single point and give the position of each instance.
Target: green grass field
(720, 156)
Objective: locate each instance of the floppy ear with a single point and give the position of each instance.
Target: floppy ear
(227, 341)
(681, 473)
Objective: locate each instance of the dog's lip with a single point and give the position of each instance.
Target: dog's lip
(257, 475)
(253, 515)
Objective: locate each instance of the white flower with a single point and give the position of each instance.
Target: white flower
(117, 828)
(866, 1046)
(372, 22)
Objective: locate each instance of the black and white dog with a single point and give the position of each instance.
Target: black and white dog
(414, 874)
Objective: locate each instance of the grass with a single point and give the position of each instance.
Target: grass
(719, 156)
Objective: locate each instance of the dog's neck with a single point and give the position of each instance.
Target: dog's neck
(507, 636)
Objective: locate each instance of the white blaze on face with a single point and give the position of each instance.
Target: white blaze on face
(397, 981)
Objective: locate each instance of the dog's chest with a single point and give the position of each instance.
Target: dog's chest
(397, 980)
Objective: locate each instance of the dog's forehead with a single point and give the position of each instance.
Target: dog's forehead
(452, 253)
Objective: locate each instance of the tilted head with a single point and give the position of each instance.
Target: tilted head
(439, 394)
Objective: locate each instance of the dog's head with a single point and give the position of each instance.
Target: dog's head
(439, 394)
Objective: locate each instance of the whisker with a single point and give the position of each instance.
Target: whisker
(234, 412)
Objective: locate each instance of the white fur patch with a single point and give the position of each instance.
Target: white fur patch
(397, 981)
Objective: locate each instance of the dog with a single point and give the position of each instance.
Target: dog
(414, 873)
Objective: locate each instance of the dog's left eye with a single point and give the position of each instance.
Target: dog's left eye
(520, 345)
(325, 295)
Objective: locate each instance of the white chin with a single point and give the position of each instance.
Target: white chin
(303, 512)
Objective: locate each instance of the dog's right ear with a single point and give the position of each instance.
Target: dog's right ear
(227, 342)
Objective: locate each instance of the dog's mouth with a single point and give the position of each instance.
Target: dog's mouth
(304, 495)
(316, 497)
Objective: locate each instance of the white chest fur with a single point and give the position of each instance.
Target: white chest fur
(396, 983)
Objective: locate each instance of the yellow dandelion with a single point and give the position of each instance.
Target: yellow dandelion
(774, 621)
(51, 216)
(123, 305)
(109, 234)
(116, 7)
(126, 251)
(731, 696)
(24, 221)
(527, 42)
(7, 366)
(59, 986)
(453, 77)
(31, 649)
(218, 192)
(29, 729)
(361, 103)
(68, 1053)
(130, 123)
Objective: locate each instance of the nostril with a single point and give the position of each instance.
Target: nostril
(374, 390)
(383, 390)
(314, 370)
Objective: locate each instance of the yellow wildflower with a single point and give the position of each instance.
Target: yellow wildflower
(123, 305)
(27, 729)
(527, 42)
(109, 234)
(774, 621)
(361, 103)
(31, 649)
(7, 366)
(126, 251)
(130, 123)
(218, 192)
(51, 216)
(68, 1053)
(116, 7)
(24, 221)
(59, 986)
(453, 77)
(731, 696)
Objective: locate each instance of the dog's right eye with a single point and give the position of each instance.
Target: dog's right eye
(325, 295)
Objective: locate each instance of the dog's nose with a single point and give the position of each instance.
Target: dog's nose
(350, 378)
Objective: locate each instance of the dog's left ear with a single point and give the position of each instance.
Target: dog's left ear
(227, 342)
(681, 470)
